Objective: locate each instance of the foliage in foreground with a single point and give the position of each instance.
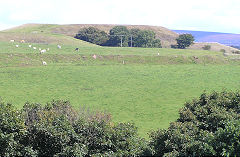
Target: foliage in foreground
(56, 129)
(208, 126)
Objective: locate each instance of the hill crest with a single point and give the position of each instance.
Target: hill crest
(166, 36)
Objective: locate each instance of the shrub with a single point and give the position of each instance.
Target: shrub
(13, 133)
(174, 46)
(236, 52)
(56, 129)
(206, 47)
(227, 140)
(201, 129)
(223, 50)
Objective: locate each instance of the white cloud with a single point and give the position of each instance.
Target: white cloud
(210, 15)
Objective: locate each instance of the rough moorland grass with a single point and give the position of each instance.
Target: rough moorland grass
(148, 95)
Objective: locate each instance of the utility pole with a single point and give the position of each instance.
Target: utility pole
(131, 40)
(121, 39)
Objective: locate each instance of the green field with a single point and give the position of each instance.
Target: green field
(148, 89)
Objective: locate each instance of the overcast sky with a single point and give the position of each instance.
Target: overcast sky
(203, 15)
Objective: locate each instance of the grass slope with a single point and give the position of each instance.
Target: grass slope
(148, 89)
(148, 95)
(166, 36)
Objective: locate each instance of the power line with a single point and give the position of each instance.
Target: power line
(121, 37)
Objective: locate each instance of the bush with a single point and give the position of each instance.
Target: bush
(236, 52)
(56, 129)
(201, 128)
(223, 50)
(206, 47)
(13, 133)
(227, 140)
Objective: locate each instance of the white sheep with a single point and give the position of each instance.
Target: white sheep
(48, 49)
(158, 54)
(59, 46)
(17, 45)
(42, 51)
(12, 41)
(34, 48)
(30, 46)
(44, 63)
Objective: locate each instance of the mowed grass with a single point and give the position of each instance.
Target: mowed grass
(148, 95)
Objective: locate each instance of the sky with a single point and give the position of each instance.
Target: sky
(200, 15)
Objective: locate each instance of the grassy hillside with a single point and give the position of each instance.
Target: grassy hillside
(214, 47)
(133, 84)
(167, 37)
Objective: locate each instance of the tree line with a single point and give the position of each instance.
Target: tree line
(207, 126)
(122, 37)
(119, 36)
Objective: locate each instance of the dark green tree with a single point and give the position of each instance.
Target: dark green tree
(145, 38)
(13, 133)
(133, 36)
(119, 36)
(92, 35)
(157, 43)
(184, 40)
(208, 126)
(227, 140)
(56, 129)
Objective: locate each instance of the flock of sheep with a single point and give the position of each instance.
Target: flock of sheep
(41, 51)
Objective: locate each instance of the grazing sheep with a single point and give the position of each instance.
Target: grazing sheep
(158, 54)
(12, 41)
(34, 48)
(30, 46)
(42, 51)
(44, 63)
(59, 46)
(17, 45)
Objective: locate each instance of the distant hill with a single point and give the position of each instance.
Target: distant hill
(63, 34)
(166, 36)
(222, 38)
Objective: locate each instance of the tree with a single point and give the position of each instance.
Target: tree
(118, 36)
(92, 35)
(134, 35)
(157, 43)
(145, 38)
(184, 40)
